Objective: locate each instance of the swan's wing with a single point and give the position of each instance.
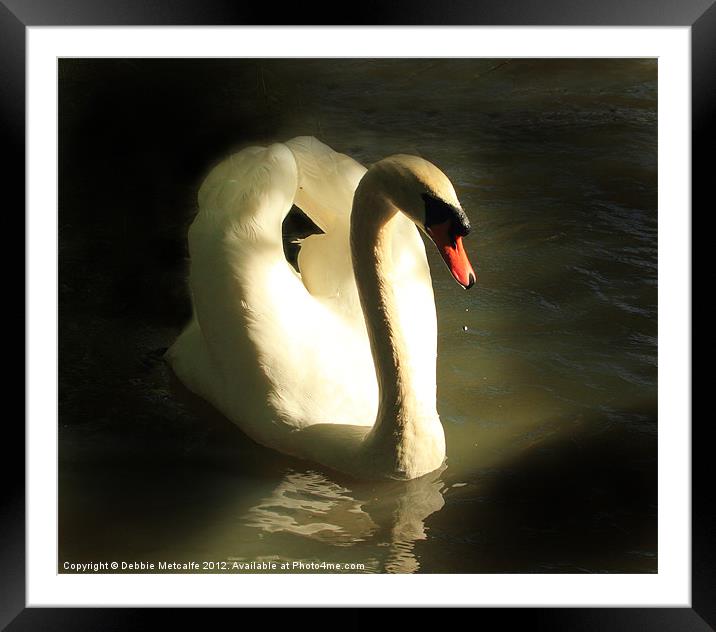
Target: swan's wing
(327, 181)
(273, 345)
(252, 190)
(237, 229)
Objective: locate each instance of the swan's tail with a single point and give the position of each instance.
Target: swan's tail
(190, 361)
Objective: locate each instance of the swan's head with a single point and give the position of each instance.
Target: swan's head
(426, 195)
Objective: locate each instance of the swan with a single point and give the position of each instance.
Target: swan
(335, 364)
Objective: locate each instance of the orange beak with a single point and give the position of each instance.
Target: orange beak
(453, 252)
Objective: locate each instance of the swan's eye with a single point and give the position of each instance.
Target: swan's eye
(438, 211)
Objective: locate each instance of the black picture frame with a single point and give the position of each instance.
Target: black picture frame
(17, 15)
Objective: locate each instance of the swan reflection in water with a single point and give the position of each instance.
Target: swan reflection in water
(276, 505)
(389, 515)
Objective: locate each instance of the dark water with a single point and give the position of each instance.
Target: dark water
(547, 369)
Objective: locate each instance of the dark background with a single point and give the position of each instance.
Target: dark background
(135, 141)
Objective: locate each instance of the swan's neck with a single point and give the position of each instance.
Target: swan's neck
(407, 435)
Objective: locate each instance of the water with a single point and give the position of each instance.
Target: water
(547, 368)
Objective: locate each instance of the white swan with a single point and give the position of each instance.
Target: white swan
(335, 365)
